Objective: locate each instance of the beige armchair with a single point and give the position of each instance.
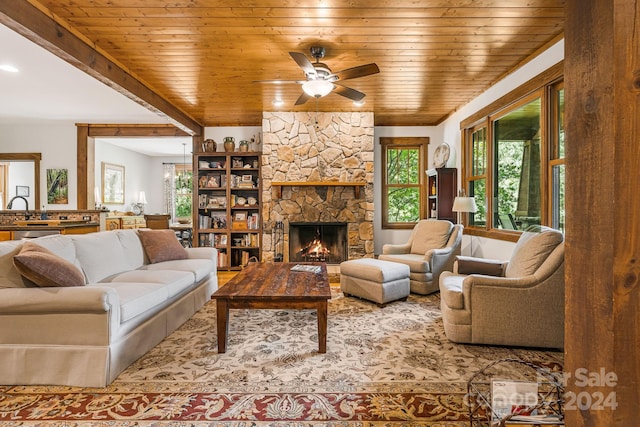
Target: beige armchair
(431, 249)
(516, 303)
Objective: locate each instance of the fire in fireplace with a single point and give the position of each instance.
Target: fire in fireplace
(318, 242)
(315, 251)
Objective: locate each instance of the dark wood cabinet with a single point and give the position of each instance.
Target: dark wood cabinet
(442, 189)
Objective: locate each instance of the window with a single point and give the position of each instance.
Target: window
(514, 159)
(557, 178)
(178, 179)
(183, 190)
(478, 178)
(403, 181)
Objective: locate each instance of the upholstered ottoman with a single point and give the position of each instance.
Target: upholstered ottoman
(375, 280)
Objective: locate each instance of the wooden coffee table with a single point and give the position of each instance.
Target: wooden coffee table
(274, 286)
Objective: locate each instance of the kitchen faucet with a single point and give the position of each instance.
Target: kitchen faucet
(26, 203)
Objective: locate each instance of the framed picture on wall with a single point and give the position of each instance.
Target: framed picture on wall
(22, 190)
(112, 183)
(58, 186)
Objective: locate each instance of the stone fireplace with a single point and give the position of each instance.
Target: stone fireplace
(317, 169)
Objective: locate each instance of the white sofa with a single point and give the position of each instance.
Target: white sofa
(87, 335)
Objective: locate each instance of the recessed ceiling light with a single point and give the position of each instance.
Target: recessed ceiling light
(358, 103)
(278, 102)
(8, 68)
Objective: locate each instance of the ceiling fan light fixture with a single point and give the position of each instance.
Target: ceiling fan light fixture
(359, 103)
(317, 88)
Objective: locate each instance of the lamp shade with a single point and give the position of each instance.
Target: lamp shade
(464, 204)
(142, 198)
(317, 88)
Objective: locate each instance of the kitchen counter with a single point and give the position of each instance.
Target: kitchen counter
(35, 229)
(47, 227)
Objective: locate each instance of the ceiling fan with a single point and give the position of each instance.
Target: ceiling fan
(321, 81)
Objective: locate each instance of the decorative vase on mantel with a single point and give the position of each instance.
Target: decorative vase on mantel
(229, 143)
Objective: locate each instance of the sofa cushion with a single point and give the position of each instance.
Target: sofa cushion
(45, 269)
(161, 245)
(176, 281)
(532, 249)
(137, 298)
(100, 255)
(9, 275)
(200, 268)
(60, 245)
(430, 234)
(416, 263)
(132, 247)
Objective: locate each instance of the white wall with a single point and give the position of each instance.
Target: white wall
(23, 174)
(238, 132)
(138, 175)
(57, 143)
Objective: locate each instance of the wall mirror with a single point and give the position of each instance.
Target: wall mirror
(20, 176)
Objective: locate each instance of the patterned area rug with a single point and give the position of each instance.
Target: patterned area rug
(383, 366)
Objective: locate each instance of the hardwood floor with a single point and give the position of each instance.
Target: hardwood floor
(225, 276)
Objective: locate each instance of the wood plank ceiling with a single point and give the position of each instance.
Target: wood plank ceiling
(205, 56)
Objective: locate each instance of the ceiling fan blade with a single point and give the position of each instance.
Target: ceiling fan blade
(303, 62)
(347, 92)
(303, 98)
(355, 72)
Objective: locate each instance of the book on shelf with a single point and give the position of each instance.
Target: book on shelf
(216, 240)
(222, 259)
(245, 258)
(307, 268)
(204, 221)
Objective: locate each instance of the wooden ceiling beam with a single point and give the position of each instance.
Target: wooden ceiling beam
(35, 25)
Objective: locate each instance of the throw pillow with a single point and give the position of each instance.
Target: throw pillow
(488, 267)
(161, 245)
(45, 269)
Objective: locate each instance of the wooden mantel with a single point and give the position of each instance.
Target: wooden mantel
(279, 184)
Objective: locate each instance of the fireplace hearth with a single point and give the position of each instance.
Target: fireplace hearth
(318, 242)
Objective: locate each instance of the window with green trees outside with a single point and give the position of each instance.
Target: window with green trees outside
(404, 181)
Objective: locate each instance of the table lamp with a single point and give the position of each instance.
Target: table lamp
(463, 203)
(142, 200)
